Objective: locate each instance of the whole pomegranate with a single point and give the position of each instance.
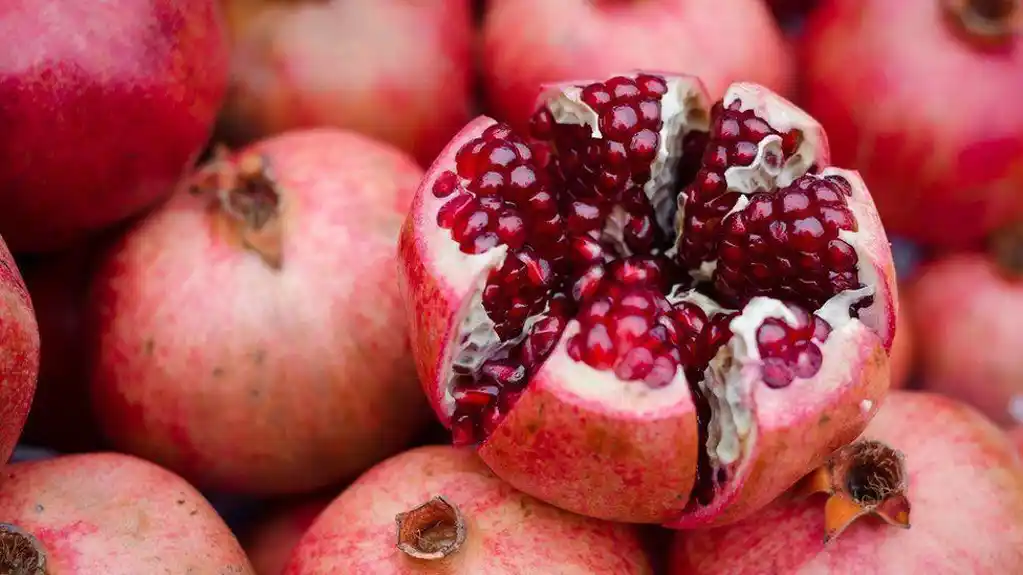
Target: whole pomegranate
(454, 516)
(965, 308)
(58, 284)
(249, 333)
(105, 105)
(966, 489)
(273, 537)
(657, 310)
(112, 514)
(528, 43)
(19, 353)
(393, 69)
(1017, 438)
(942, 174)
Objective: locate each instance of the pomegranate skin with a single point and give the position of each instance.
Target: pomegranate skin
(19, 353)
(119, 515)
(395, 70)
(966, 489)
(59, 286)
(272, 539)
(1017, 438)
(105, 106)
(247, 378)
(527, 43)
(965, 311)
(943, 175)
(507, 531)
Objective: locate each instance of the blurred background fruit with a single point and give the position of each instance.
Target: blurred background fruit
(274, 535)
(248, 334)
(19, 353)
(105, 105)
(965, 484)
(966, 309)
(117, 515)
(397, 70)
(526, 43)
(922, 97)
(504, 531)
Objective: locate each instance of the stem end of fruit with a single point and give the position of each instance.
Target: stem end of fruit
(20, 551)
(432, 530)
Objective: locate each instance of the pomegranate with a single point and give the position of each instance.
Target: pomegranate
(903, 350)
(19, 353)
(105, 106)
(966, 489)
(109, 513)
(273, 537)
(396, 70)
(629, 356)
(527, 43)
(249, 334)
(452, 512)
(58, 285)
(964, 307)
(944, 175)
(786, 9)
(1017, 438)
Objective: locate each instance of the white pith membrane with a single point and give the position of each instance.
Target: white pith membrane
(736, 366)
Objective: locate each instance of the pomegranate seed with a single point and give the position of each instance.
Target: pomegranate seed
(445, 184)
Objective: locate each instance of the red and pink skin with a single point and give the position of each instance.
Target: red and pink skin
(119, 515)
(529, 43)
(249, 378)
(965, 485)
(106, 105)
(406, 77)
(19, 353)
(507, 532)
(636, 454)
(965, 311)
(944, 175)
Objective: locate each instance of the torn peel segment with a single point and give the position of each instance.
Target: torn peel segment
(558, 328)
(863, 478)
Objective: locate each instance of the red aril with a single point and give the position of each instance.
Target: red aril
(105, 106)
(650, 308)
(273, 537)
(920, 95)
(395, 70)
(19, 353)
(962, 478)
(455, 517)
(965, 308)
(249, 333)
(112, 514)
(529, 43)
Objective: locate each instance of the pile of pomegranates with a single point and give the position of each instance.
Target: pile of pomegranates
(651, 307)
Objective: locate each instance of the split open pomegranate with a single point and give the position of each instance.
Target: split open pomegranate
(650, 308)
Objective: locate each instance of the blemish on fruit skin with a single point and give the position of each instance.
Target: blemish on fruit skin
(824, 419)
(148, 346)
(218, 372)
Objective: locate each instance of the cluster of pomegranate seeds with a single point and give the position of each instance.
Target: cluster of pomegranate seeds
(791, 351)
(623, 329)
(734, 139)
(785, 245)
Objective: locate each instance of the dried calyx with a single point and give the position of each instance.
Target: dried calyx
(863, 478)
(993, 22)
(243, 190)
(20, 552)
(431, 531)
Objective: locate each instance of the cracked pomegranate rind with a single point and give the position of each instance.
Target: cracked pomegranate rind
(650, 308)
